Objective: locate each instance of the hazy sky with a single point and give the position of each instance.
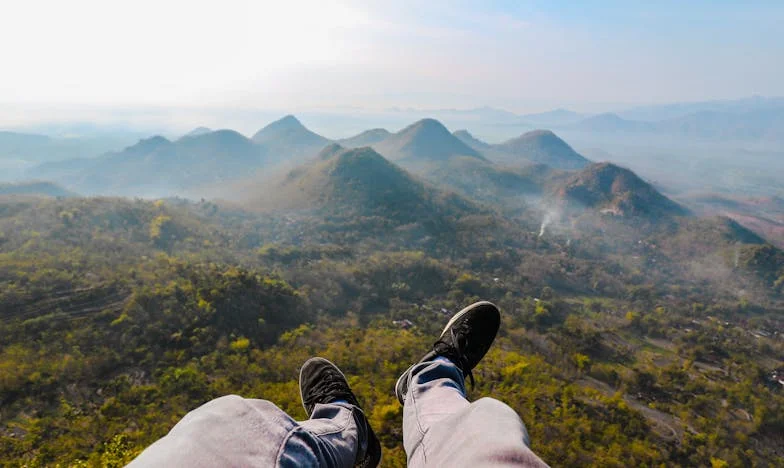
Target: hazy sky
(518, 55)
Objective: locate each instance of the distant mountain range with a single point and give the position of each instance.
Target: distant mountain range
(535, 165)
(157, 166)
(658, 112)
(421, 183)
(34, 148)
(748, 119)
(610, 122)
(35, 188)
(554, 118)
(765, 124)
(752, 120)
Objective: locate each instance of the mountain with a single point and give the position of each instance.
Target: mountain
(197, 131)
(469, 140)
(553, 118)
(288, 139)
(425, 141)
(542, 146)
(610, 123)
(485, 181)
(156, 166)
(38, 188)
(360, 182)
(17, 144)
(27, 148)
(661, 112)
(485, 114)
(366, 138)
(763, 122)
(615, 190)
(763, 215)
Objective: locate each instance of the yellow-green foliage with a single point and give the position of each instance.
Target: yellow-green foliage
(117, 317)
(240, 344)
(158, 227)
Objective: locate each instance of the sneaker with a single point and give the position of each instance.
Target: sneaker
(320, 382)
(465, 341)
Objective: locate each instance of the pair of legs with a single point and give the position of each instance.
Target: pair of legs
(440, 426)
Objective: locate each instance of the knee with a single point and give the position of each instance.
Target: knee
(492, 405)
(505, 418)
(235, 406)
(226, 401)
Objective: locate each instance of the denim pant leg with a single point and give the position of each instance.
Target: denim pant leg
(239, 432)
(441, 427)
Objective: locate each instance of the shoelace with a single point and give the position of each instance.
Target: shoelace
(454, 353)
(332, 387)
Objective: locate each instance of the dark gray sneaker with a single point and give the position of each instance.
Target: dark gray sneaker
(465, 340)
(320, 381)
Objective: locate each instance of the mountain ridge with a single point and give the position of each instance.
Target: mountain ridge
(426, 140)
(348, 182)
(365, 138)
(466, 137)
(543, 146)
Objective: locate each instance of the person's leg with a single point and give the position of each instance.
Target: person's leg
(333, 436)
(436, 391)
(440, 426)
(322, 387)
(234, 431)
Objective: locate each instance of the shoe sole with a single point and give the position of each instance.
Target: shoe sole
(451, 322)
(301, 399)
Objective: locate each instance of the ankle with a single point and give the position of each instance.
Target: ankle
(443, 359)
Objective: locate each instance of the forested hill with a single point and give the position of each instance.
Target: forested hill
(424, 141)
(119, 316)
(613, 189)
(544, 147)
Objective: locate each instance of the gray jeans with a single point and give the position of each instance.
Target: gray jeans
(440, 428)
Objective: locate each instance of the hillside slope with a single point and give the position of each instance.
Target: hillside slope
(544, 147)
(37, 188)
(157, 167)
(422, 142)
(366, 138)
(361, 182)
(287, 140)
(615, 190)
(470, 140)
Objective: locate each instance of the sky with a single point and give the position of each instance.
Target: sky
(517, 55)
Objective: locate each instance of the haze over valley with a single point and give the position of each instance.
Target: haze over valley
(718, 157)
